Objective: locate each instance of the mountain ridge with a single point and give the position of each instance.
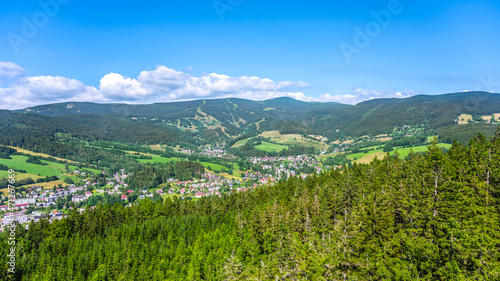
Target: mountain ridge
(230, 117)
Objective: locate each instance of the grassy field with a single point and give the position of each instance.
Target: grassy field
(19, 162)
(240, 143)
(157, 159)
(284, 141)
(403, 152)
(289, 139)
(59, 165)
(19, 176)
(171, 196)
(48, 185)
(45, 185)
(215, 167)
(38, 154)
(370, 157)
(267, 146)
(157, 147)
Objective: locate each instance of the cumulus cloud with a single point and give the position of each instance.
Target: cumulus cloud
(10, 70)
(162, 84)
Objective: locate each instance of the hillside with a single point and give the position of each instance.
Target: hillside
(230, 117)
(17, 128)
(219, 121)
(381, 116)
(432, 216)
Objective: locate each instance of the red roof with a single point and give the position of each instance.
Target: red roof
(19, 205)
(130, 191)
(124, 196)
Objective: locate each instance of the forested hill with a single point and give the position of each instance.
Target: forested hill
(278, 107)
(19, 129)
(432, 216)
(379, 116)
(436, 113)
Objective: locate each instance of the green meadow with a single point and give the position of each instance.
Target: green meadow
(240, 143)
(157, 159)
(19, 176)
(403, 152)
(267, 146)
(215, 167)
(19, 162)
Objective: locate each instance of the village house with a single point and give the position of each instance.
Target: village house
(79, 198)
(14, 217)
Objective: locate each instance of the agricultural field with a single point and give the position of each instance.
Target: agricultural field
(157, 159)
(369, 157)
(487, 118)
(403, 152)
(363, 158)
(18, 162)
(215, 167)
(291, 139)
(19, 176)
(48, 185)
(240, 143)
(464, 119)
(158, 147)
(21, 150)
(267, 146)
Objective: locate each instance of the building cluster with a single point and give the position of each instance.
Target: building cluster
(285, 167)
(216, 152)
(37, 197)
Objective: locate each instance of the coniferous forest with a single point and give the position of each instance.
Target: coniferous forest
(430, 216)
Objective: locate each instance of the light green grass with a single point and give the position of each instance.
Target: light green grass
(157, 159)
(74, 178)
(171, 196)
(19, 176)
(240, 143)
(403, 152)
(267, 146)
(59, 165)
(215, 167)
(19, 162)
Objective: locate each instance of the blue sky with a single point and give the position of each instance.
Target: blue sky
(149, 51)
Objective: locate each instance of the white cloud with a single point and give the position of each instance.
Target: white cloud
(349, 99)
(162, 84)
(360, 94)
(10, 70)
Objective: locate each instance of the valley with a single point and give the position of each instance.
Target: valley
(69, 159)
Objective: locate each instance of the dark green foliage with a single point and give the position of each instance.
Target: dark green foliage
(382, 115)
(5, 155)
(432, 216)
(388, 148)
(68, 181)
(152, 124)
(34, 160)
